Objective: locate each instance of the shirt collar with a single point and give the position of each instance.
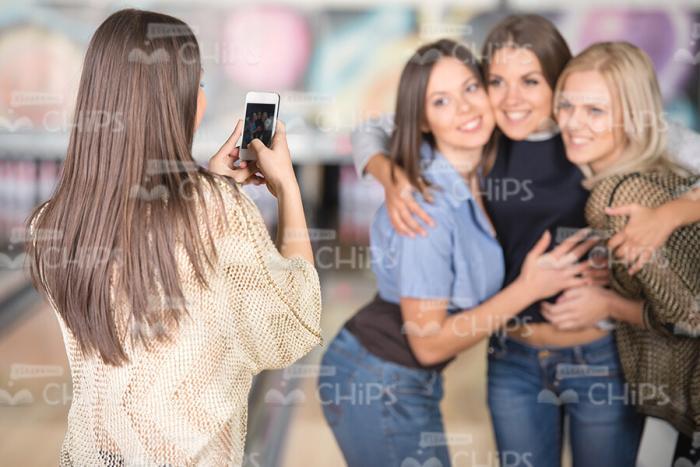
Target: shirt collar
(439, 171)
(544, 135)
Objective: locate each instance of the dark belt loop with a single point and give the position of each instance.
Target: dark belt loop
(497, 345)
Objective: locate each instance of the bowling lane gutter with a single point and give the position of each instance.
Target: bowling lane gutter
(16, 299)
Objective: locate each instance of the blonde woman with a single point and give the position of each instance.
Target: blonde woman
(609, 109)
(165, 332)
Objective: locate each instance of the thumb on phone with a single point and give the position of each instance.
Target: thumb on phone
(257, 146)
(280, 134)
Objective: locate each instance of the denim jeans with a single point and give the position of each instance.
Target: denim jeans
(531, 390)
(381, 413)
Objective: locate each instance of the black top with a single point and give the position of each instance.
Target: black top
(379, 328)
(532, 187)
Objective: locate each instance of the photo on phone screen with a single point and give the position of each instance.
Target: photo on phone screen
(259, 120)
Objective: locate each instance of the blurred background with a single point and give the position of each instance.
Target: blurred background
(335, 63)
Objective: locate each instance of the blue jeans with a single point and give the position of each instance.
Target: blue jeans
(382, 414)
(531, 389)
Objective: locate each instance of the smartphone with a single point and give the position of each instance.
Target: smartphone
(261, 110)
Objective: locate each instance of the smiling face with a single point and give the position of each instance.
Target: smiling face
(457, 109)
(590, 120)
(520, 95)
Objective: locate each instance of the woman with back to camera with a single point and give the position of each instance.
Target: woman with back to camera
(165, 334)
(523, 57)
(609, 107)
(436, 294)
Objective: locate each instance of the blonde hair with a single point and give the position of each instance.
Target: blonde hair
(631, 79)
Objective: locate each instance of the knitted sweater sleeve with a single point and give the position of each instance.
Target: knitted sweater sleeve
(271, 305)
(670, 282)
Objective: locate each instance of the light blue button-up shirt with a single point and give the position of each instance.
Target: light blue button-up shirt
(459, 260)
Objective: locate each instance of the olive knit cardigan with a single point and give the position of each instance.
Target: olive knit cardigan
(661, 363)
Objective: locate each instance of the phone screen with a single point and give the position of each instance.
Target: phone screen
(259, 119)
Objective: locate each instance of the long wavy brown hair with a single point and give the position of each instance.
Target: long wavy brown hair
(125, 194)
(409, 116)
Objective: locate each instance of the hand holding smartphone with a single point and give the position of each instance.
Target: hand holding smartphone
(260, 122)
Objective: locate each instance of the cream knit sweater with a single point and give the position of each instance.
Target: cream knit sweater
(186, 403)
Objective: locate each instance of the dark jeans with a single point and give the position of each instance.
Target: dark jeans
(382, 414)
(531, 389)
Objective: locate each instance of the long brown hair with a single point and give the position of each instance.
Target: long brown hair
(123, 198)
(409, 117)
(534, 32)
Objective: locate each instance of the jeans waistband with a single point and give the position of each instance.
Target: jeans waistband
(503, 342)
(347, 343)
